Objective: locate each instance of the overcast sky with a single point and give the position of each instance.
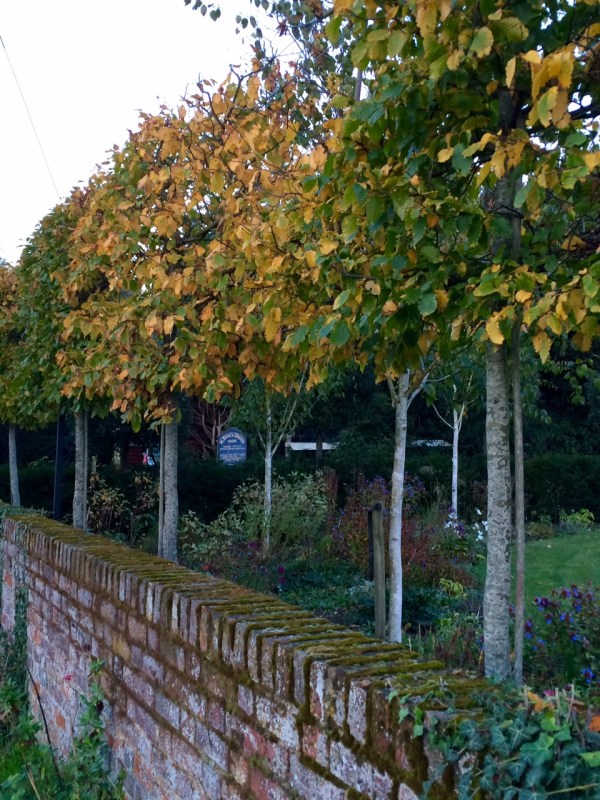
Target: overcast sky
(86, 69)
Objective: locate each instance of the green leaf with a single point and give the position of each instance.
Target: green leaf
(340, 334)
(511, 28)
(427, 304)
(592, 759)
(482, 42)
(374, 209)
(333, 27)
(540, 750)
(298, 336)
(396, 42)
(341, 299)
(350, 226)
(360, 54)
(590, 286)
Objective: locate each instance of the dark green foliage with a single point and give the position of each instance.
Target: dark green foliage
(556, 482)
(515, 747)
(37, 485)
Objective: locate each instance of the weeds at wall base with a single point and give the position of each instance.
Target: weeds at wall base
(29, 767)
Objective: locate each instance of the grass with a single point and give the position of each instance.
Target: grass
(561, 561)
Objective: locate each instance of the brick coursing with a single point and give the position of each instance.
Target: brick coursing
(213, 691)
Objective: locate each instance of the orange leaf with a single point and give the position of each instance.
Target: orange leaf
(595, 723)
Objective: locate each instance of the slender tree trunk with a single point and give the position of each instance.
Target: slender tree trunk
(79, 488)
(519, 500)
(15, 495)
(171, 497)
(457, 417)
(401, 403)
(268, 504)
(161, 490)
(497, 581)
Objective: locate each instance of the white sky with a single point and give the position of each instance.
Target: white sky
(86, 68)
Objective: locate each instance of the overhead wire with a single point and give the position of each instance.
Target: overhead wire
(42, 151)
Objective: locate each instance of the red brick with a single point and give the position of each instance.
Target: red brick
(263, 788)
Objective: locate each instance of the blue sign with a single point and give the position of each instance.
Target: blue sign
(232, 447)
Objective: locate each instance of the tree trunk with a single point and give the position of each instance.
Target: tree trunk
(457, 417)
(80, 470)
(171, 497)
(161, 489)
(519, 500)
(268, 503)
(497, 581)
(401, 403)
(15, 495)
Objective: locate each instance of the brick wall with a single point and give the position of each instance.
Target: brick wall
(214, 691)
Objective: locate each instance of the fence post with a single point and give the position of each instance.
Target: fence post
(376, 525)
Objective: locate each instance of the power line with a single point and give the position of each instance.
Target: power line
(30, 118)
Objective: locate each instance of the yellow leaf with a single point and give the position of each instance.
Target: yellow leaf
(311, 258)
(560, 114)
(445, 155)
(168, 323)
(339, 6)
(541, 344)
(532, 57)
(522, 296)
(389, 307)
(373, 287)
(493, 331)
(271, 329)
(510, 71)
(328, 246)
(442, 299)
(454, 59)
(592, 160)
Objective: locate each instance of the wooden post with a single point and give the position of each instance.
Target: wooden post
(376, 520)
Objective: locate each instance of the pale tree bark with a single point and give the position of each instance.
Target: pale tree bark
(15, 495)
(497, 580)
(80, 487)
(402, 397)
(161, 489)
(496, 618)
(456, 425)
(457, 419)
(519, 499)
(169, 457)
(268, 501)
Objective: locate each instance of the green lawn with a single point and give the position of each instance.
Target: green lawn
(560, 562)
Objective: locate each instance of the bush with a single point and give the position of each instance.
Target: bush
(232, 541)
(563, 640)
(130, 519)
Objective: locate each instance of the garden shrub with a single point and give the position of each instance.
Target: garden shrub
(563, 639)
(129, 519)
(581, 521)
(300, 511)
